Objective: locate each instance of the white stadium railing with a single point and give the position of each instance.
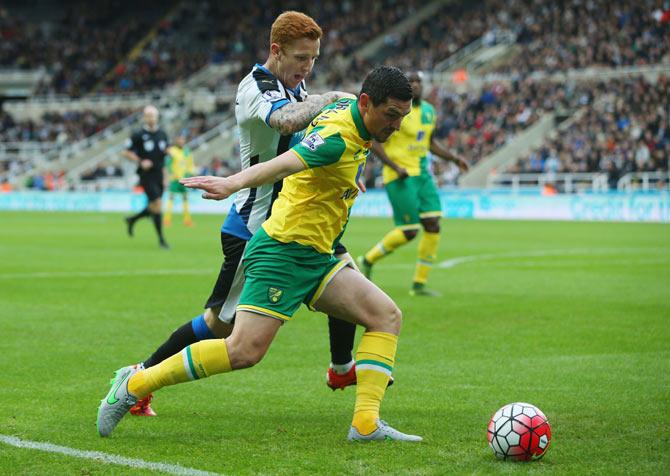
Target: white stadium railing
(644, 181)
(566, 182)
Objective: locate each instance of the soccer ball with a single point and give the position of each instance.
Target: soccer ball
(520, 432)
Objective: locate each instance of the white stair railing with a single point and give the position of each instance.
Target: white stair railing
(564, 182)
(644, 181)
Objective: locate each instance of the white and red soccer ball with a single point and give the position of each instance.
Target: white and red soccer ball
(520, 432)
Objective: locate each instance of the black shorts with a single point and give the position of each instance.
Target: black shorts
(340, 249)
(153, 186)
(228, 287)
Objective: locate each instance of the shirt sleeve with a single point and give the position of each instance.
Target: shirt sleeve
(262, 104)
(133, 143)
(319, 148)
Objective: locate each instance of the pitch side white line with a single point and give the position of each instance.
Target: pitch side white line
(103, 274)
(104, 457)
(453, 262)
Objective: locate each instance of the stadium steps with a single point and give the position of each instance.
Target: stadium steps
(478, 57)
(15, 83)
(136, 50)
(221, 141)
(218, 141)
(77, 153)
(531, 137)
(372, 48)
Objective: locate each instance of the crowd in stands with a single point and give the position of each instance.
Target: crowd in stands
(622, 125)
(88, 44)
(476, 124)
(625, 129)
(78, 47)
(574, 34)
(60, 128)
(431, 41)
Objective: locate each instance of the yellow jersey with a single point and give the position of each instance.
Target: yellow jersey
(409, 146)
(179, 162)
(313, 206)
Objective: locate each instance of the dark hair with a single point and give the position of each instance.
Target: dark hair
(385, 82)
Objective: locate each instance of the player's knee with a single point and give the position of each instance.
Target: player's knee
(432, 225)
(247, 357)
(410, 234)
(387, 318)
(395, 319)
(219, 328)
(245, 353)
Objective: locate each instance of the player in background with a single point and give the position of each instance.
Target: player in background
(147, 147)
(179, 165)
(271, 105)
(411, 189)
(290, 260)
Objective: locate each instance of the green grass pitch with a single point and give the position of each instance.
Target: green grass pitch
(572, 317)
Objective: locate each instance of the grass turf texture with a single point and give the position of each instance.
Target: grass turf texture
(572, 317)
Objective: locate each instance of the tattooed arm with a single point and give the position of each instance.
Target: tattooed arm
(296, 116)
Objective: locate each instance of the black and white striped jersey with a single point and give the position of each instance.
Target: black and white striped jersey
(259, 94)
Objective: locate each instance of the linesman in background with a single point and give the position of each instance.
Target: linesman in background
(147, 147)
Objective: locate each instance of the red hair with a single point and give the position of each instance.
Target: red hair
(293, 25)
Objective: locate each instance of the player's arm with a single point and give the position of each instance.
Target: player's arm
(218, 188)
(296, 116)
(386, 160)
(438, 149)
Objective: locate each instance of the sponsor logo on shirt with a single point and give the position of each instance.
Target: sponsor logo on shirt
(313, 141)
(272, 95)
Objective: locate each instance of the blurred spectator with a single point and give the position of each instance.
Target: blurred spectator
(623, 130)
(61, 128)
(574, 34)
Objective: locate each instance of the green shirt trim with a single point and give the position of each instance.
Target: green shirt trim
(358, 120)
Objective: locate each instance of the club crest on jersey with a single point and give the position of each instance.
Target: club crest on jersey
(313, 141)
(274, 294)
(272, 95)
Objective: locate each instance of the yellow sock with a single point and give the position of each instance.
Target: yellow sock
(187, 213)
(168, 211)
(374, 365)
(393, 239)
(199, 360)
(427, 256)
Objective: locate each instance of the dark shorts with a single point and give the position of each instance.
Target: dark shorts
(228, 287)
(153, 186)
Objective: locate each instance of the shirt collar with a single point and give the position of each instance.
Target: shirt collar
(358, 120)
(295, 91)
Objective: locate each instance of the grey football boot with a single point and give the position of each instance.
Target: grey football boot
(383, 432)
(117, 402)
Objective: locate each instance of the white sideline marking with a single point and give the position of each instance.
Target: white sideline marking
(104, 457)
(102, 274)
(453, 262)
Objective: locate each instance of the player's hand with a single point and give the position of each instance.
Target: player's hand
(462, 164)
(146, 164)
(215, 188)
(361, 186)
(402, 173)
